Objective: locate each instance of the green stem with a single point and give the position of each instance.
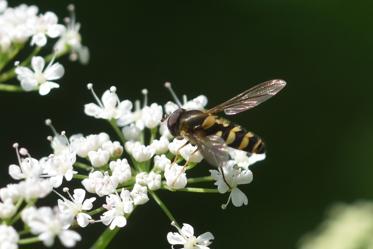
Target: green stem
(10, 88)
(200, 179)
(153, 134)
(18, 215)
(96, 211)
(118, 131)
(194, 190)
(104, 240)
(84, 166)
(23, 232)
(128, 183)
(51, 56)
(12, 72)
(164, 208)
(106, 237)
(29, 240)
(10, 56)
(80, 177)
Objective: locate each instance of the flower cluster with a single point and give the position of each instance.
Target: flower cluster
(122, 174)
(24, 25)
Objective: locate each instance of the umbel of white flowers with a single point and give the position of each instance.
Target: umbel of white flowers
(23, 25)
(124, 173)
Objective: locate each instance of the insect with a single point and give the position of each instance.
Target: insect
(213, 134)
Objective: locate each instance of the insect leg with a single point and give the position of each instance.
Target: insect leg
(222, 173)
(184, 167)
(178, 151)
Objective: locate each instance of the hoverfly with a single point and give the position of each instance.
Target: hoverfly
(213, 134)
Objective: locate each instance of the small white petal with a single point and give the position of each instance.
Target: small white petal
(83, 219)
(175, 239)
(69, 238)
(38, 64)
(79, 195)
(238, 197)
(39, 39)
(46, 87)
(119, 221)
(54, 72)
(187, 230)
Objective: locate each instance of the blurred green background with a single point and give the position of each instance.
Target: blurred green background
(318, 130)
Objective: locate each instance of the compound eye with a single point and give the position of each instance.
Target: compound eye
(173, 122)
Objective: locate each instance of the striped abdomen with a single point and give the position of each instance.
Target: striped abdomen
(234, 135)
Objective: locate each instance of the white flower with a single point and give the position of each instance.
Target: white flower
(142, 178)
(38, 77)
(243, 160)
(160, 146)
(118, 207)
(189, 152)
(8, 237)
(34, 188)
(233, 176)
(164, 131)
(131, 132)
(175, 145)
(76, 207)
(154, 181)
(60, 166)
(152, 115)
(83, 145)
(100, 183)
(11, 192)
(29, 168)
(99, 158)
(161, 162)
(197, 103)
(139, 194)
(109, 107)
(47, 224)
(114, 148)
(72, 39)
(175, 176)
(7, 209)
(120, 171)
(151, 180)
(186, 238)
(140, 152)
(45, 25)
(59, 143)
(14, 24)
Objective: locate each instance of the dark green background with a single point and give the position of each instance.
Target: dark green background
(318, 130)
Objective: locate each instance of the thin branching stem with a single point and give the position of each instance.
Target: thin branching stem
(200, 179)
(106, 237)
(193, 190)
(164, 208)
(80, 177)
(27, 241)
(84, 166)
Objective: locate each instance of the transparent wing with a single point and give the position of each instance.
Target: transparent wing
(250, 98)
(213, 149)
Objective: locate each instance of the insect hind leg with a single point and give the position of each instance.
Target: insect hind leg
(185, 165)
(178, 151)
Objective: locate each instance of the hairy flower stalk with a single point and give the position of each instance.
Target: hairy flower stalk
(124, 173)
(24, 28)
